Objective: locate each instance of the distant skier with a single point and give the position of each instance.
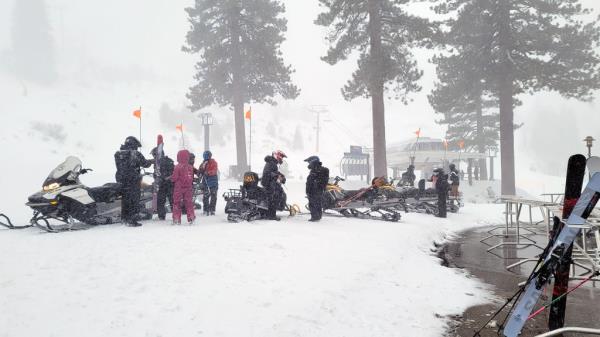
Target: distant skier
(271, 181)
(454, 180)
(129, 161)
(408, 177)
(316, 182)
(476, 172)
(209, 173)
(165, 187)
(441, 187)
(183, 178)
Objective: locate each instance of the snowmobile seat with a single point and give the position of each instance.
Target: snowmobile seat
(105, 193)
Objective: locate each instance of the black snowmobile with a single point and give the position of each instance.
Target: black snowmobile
(64, 203)
(250, 202)
(424, 200)
(379, 201)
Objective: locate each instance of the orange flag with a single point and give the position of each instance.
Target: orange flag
(249, 113)
(461, 144)
(418, 132)
(138, 113)
(179, 127)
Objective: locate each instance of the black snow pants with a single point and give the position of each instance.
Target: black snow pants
(315, 205)
(165, 193)
(442, 204)
(130, 202)
(210, 200)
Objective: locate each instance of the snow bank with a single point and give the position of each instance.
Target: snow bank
(339, 277)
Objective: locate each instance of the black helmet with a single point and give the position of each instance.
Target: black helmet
(312, 159)
(452, 166)
(154, 152)
(132, 143)
(411, 167)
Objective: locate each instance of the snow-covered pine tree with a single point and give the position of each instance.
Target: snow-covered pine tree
(533, 45)
(240, 58)
(383, 32)
(33, 51)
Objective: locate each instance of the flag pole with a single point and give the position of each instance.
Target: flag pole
(182, 137)
(140, 124)
(250, 157)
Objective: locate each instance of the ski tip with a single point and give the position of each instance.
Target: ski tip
(159, 139)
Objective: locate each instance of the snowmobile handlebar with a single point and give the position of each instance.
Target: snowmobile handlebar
(337, 179)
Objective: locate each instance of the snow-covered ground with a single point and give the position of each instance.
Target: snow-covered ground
(339, 277)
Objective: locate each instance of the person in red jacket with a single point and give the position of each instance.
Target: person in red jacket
(183, 178)
(209, 176)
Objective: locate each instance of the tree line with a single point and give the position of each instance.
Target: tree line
(488, 53)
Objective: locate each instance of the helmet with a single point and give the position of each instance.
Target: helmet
(411, 167)
(438, 170)
(154, 152)
(207, 155)
(452, 166)
(192, 158)
(132, 143)
(312, 161)
(279, 155)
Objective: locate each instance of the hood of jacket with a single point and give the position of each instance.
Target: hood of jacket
(270, 159)
(183, 157)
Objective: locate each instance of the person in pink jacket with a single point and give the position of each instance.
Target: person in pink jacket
(183, 177)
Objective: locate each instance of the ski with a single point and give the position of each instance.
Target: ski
(593, 165)
(534, 287)
(573, 185)
(157, 175)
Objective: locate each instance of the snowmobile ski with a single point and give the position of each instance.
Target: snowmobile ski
(5, 222)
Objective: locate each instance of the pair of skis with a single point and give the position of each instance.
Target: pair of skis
(557, 257)
(157, 174)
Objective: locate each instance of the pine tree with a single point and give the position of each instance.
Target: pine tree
(298, 142)
(533, 45)
(462, 94)
(33, 50)
(383, 33)
(240, 59)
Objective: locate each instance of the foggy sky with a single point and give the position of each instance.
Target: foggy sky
(135, 41)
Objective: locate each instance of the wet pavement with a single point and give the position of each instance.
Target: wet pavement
(583, 306)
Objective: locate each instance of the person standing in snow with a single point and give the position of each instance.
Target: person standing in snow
(408, 177)
(183, 179)
(316, 182)
(271, 181)
(165, 185)
(129, 161)
(209, 173)
(454, 180)
(441, 187)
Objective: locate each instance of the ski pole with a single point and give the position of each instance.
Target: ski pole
(537, 312)
(518, 293)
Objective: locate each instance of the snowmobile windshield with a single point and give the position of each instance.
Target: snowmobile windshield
(65, 173)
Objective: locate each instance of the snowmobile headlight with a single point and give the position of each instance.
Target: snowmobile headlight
(51, 187)
(54, 202)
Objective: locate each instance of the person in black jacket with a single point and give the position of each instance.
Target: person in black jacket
(271, 181)
(165, 185)
(129, 161)
(316, 182)
(441, 187)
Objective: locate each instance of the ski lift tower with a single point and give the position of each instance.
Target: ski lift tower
(207, 121)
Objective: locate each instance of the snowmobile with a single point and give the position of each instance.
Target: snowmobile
(424, 200)
(64, 199)
(379, 201)
(250, 201)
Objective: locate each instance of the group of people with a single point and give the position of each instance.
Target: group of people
(443, 183)
(272, 180)
(175, 182)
